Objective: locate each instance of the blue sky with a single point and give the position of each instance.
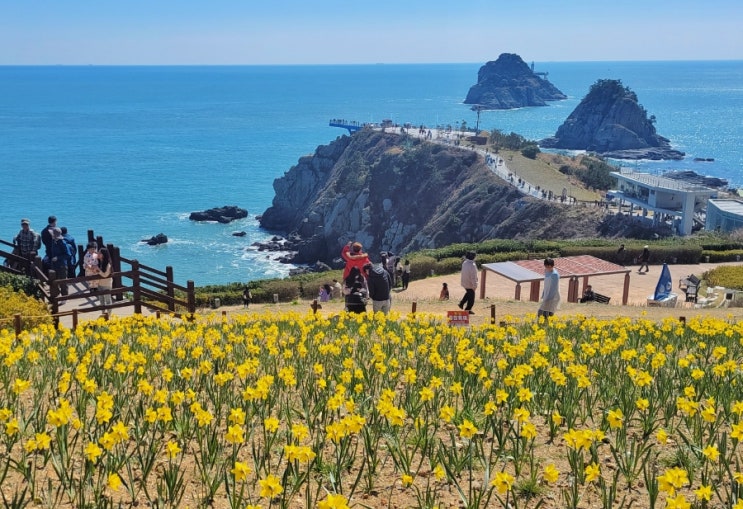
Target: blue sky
(35, 32)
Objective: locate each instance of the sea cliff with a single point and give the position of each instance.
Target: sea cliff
(396, 193)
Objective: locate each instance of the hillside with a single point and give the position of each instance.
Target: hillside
(399, 194)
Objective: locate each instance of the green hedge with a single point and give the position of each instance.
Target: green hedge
(734, 255)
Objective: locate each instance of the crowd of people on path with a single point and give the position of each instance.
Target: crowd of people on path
(61, 256)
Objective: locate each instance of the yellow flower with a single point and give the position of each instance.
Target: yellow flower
(172, 449)
(642, 404)
(446, 413)
(672, 479)
(615, 418)
(661, 436)
(502, 482)
(333, 501)
(467, 429)
(592, 472)
(704, 493)
(528, 431)
(550, 473)
(556, 418)
(524, 394)
(270, 486)
(300, 431)
(235, 434)
(521, 414)
(43, 441)
(92, 452)
(271, 424)
(12, 427)
(407, 480)
(439, 472)
(241, 472)
(737, 431)
(711, 453)
(20, 386)
(114, 481)
(677, 503)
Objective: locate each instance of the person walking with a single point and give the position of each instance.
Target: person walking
(469, 282)
(405, 276)
(379, 284)
(551, 291)
(644, 259)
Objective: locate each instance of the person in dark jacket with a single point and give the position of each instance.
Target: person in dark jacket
(354, 289)
(60, 257)
(379, 283)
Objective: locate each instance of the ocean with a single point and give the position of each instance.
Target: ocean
(129, 152)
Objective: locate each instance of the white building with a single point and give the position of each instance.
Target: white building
(724, 215)
(661, 199)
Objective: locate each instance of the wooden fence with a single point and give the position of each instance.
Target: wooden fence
(134, 285)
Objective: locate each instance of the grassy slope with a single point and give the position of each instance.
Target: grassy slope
(547, 176)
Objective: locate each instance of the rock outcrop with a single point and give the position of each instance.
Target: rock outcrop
(223, 215)
(393, 193)
(509, 83)
(610, 121)
(156, 240)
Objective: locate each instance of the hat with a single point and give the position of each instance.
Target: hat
(57, 233)
(645, 247)
(25, 221)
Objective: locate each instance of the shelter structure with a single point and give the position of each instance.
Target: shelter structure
(574, 268)
(666, 199)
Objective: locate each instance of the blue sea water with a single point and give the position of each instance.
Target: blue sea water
(130, 151)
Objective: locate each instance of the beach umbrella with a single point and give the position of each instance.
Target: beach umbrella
(665, 285)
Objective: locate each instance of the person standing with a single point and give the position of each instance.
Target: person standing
(325, 293)
(405, 274)
(644, 259)
(73, 251)
(90, 264)
(621, 253)
(469, 282)
(247, 296)
(354, 256)
(379, 284)
(60, 257)
(337, 289)
(551, 291)
(105, 284)
(47, 237)
(27, 242)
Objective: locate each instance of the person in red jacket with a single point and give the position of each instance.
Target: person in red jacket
(354, 256)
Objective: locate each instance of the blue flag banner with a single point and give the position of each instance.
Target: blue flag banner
(665, 285)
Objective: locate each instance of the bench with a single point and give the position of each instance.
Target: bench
(690, 286)
(601, 299)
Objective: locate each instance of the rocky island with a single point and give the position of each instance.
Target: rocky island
(609, 121)
(509, 83)
(222, 215)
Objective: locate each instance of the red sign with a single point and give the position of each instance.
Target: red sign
(458, 317)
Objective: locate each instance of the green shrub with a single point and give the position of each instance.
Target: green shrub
(733, 255)
(33, 312)
(19, 283)
(728, 276)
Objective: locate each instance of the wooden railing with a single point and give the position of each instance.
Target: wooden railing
(134, 285)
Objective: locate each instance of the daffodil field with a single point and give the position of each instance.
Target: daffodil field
(290, 410)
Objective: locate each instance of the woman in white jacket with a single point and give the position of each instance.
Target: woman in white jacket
(551, 292)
